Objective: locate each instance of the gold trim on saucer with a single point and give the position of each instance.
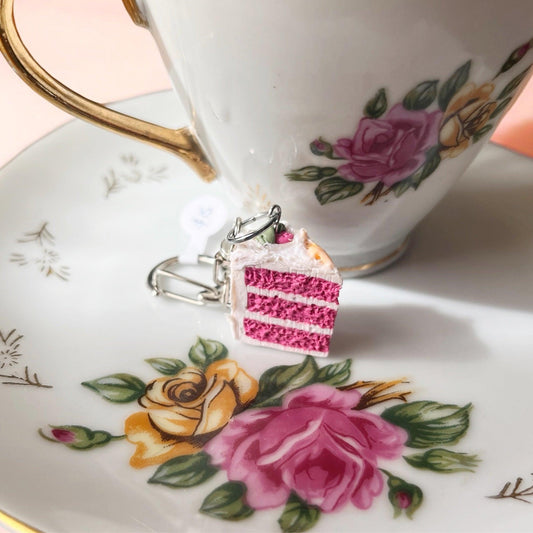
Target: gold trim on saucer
(181, 142)
(15, 524)
(364, 267)
(135, 13)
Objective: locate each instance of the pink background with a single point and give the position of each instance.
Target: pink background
(90, 45)
(93, 47)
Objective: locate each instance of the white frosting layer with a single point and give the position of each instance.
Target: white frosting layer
(286, 323)
(291, 297)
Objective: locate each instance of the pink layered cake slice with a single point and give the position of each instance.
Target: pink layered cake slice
(284, 295)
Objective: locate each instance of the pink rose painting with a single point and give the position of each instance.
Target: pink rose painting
(396, 148)
(388, 149)
(304, 439)
(314, 445)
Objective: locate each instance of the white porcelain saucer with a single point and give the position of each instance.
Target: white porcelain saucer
(85, 214)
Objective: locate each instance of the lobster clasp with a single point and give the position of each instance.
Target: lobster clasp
(164, 276)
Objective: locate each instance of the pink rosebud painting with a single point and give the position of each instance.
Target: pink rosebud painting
(63, 435)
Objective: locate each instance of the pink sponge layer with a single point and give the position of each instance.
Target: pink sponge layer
(287, 310)
(291, 337)
(291, 283)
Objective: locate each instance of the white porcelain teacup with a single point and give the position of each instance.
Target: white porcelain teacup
(357, 116)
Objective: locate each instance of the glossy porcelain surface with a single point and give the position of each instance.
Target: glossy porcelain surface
(357, 115)
(419, 413)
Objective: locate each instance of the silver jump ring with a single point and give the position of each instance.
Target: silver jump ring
(272, 219)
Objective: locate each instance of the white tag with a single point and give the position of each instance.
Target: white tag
(202, 217)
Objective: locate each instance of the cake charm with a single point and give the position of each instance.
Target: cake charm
(281, 289)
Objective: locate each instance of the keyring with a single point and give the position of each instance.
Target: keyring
(280, 288)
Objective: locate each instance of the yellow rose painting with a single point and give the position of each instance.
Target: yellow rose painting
(467, 113)
(184, 411)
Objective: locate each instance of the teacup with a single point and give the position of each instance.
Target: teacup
(357, 116)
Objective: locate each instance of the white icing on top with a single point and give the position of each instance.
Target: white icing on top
(299, 255)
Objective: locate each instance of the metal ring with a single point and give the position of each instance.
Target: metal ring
(273, 217)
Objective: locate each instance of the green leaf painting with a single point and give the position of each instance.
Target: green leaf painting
(277, 381)
(481, 132)
(335, 374)
(184, 471)
(166, 365)
(501, 107)
(205, 351)
(422, 96)
(453, 84)
(513, 85)
(431, 164)
(430, 423)
(335, 189)
(227, 502)
(442, 460)
(311, 173)
(120, 388)
(377, 105)
(298, 515)
(402, 187)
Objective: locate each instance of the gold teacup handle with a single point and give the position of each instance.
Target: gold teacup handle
(182, 142)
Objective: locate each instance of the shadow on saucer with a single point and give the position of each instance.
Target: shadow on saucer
(477, 244)
(406, 332)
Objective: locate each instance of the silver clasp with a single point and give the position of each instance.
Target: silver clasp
(165, 273)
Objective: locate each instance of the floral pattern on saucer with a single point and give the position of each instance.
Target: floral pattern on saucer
(515, 491)
(302, 438)
(131, 171)
(397, 147)
(10, 358)
(40, 250)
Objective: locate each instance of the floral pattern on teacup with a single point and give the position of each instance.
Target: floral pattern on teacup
(303, 438)
(397, 148)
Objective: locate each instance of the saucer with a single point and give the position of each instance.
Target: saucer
(418, 421)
